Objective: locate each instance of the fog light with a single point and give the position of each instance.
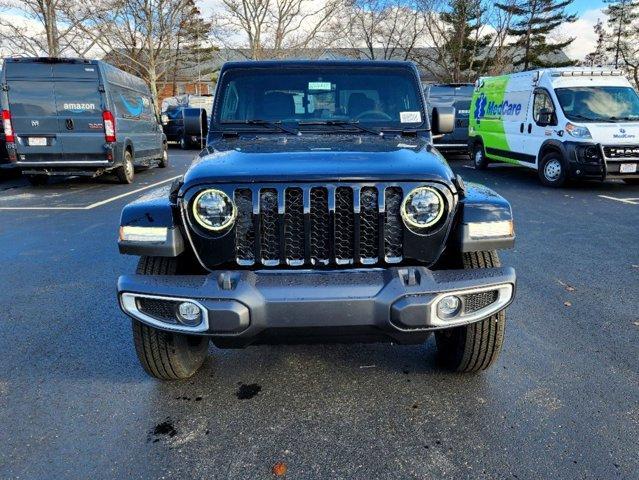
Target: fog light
(448, 306)
(189, 313)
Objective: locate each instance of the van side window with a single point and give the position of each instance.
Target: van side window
(542, 102)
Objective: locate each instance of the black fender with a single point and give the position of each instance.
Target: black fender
(480, 204)
(155, 209)
(552, 144)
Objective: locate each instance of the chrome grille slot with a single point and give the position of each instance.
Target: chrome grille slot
(319, 226)
(269, 235)
(344, 225)
(294, 226)
(393, 231)
(245, 227)
(369, 226)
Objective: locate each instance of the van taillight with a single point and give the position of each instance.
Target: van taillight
(8, 129)
(109, 126)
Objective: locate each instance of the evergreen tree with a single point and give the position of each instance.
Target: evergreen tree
(534, 21)
(192, 49)
(598, 56)
(464, 43)
(621, 15)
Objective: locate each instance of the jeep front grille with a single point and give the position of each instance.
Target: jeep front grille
(319, 225)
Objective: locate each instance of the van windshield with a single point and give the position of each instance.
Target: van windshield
(599, 104)
(323, 95)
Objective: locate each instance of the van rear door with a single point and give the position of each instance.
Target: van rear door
(34, 117)
(79, 105)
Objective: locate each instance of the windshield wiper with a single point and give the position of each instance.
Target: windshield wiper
(590, 119)
(625, 119)
(265, 123)
(342, 123)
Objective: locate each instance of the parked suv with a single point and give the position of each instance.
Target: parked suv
(457, 95)
(78, 117)
(320, 211)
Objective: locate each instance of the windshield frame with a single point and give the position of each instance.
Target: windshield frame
(572, 117)
(220, 127)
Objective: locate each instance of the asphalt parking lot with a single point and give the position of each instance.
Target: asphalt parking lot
(562, 402)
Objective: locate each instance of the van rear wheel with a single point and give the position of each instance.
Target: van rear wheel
(480, 161)
(164, 160)
(126, 171)
(552, 170)
(36, 180)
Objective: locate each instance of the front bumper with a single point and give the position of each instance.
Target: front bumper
(267, 306)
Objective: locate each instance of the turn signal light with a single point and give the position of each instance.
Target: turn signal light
(8, 128)
(109, 126)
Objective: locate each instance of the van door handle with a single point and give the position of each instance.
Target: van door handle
(69, 124)
(529, 127)
(521, 128)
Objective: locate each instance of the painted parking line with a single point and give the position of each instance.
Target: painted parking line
(97, 204)
(630, 201)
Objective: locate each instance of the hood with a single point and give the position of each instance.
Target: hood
(318, 158)
(614, 133)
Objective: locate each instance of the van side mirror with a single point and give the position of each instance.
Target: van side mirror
(443, 120)
(546, 117)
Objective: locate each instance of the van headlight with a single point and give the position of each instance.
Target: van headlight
(214, 210)
(422, 207)
(577, 131)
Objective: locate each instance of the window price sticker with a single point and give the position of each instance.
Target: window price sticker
(410, 117)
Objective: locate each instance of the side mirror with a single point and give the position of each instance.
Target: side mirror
(546, 117)
(443, 120)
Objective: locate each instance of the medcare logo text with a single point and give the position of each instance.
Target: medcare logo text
(484, 107)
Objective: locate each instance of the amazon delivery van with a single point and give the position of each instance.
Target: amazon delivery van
(78, 117)
(578, 123)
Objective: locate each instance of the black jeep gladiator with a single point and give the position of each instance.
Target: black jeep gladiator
(319, 212)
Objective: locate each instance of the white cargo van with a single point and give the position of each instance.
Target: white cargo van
(564, 122)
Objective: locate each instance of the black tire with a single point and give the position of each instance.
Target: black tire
(631, 181)
(474, 347)
(164, 159)
(36, 180)
(480, 162)
(126, 171)
(552, 170)
(166, 355)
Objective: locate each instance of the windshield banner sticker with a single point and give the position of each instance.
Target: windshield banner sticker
(320, 86)
(410, 117)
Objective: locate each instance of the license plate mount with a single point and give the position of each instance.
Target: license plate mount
(628, 168)
(37, 141)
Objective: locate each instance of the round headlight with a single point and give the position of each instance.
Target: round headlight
(214, 210)
(422, 207)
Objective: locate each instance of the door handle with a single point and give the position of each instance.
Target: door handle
(529, 127)
(521, 128)
(69, 124)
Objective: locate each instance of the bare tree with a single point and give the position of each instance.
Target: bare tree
(41, 28)
(380, 29)
(273, 28)
(140, 36)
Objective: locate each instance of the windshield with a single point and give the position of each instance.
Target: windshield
(307, 97)
(596, 104)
